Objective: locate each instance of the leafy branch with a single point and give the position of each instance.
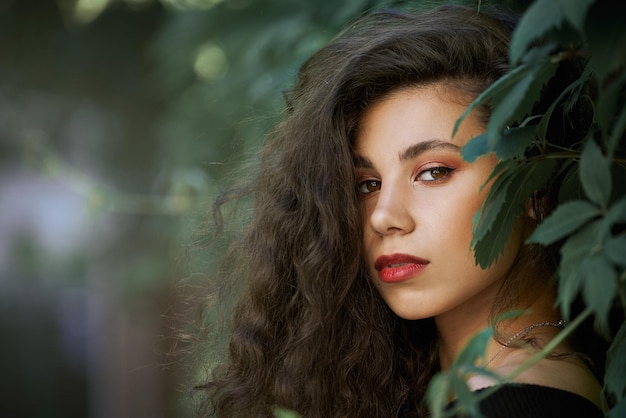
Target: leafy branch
(589, 222)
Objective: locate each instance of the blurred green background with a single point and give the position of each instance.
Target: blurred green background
(118, 119)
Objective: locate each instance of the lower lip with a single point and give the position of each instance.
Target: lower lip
(401, 273)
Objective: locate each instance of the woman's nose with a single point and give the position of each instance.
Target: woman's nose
(392, 213)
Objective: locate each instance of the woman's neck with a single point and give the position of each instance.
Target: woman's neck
(457, 327)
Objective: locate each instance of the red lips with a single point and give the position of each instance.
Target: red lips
(398, 267)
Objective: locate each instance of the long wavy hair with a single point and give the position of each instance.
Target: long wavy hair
(310, 332)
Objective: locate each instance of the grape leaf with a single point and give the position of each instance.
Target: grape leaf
(574, 252)
(565, 219)
(616, 364)
(542, 16)
(595, 175)
(619, 410)
(514, 142)
(615, 249)
(519, 99)
(607, 38)
(599, 287)
(475, 148)
(494, 229)
(495, 92)
(437, 394)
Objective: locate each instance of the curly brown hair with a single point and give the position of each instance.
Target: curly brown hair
(310, 332)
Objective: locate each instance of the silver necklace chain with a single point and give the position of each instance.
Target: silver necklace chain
(523, 333)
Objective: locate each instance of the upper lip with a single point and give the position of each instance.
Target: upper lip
(385, 261)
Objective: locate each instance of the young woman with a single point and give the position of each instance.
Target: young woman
(360, 280)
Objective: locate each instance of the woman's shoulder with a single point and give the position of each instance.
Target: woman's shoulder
(535, 401)
(568, 374)
(549, 388)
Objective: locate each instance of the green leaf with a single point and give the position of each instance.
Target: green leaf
(580, 85)
(576, 11)
(609, 101)
(475, 348)
(485, 218)
(513, 95)
(615, 250)
(618, 131)
(501, 168)
(466, 400)
(487, 221)
(495, 92)
(507, 106)
(454, 379)
(616, 213)
(595, 174)
(607, 39)
(571, 188)
(540, 17)
(619, 410)
(600, 287)
(574, 252)
(565, 219)
(614, 381)
(569, 287)
(437, 394)
(514, 142)
(494, 227)
(543, 16)
(475, 148)
(542, 127)
(517, 103)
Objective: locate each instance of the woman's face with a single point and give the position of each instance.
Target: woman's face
(418, 197)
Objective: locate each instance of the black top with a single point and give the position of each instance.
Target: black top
(518, 400)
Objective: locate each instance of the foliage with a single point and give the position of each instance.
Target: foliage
(590, 218)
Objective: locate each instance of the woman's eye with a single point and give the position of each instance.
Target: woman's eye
(434, 174)
(368, 186)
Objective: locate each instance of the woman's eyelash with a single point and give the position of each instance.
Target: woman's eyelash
(434, 173)
(428, 175)
(368, 186)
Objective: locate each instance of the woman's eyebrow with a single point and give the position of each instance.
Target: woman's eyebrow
(362, 162)
(416, 149)
(410, 152)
